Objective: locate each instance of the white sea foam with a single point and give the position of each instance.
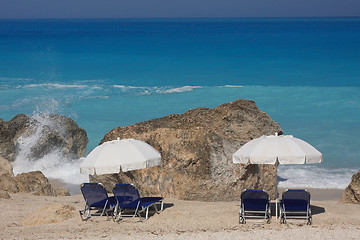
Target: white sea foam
(156, 90)
(178, 89)
(311, 176)
(233, 86)
(8, 82)
(55, 85)
(119, 86)
(14, 79)
(54, 164)
(129, 87)
(94, 97)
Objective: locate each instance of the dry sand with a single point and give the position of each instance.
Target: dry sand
(179, 220)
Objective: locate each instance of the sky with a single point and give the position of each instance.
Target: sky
(177, 8)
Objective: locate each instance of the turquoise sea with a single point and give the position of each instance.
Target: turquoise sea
(304, 72)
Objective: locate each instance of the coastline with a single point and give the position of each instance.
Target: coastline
(317, 194)
(179, 220)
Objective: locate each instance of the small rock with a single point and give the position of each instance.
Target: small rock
(4, 195)
(352, 191)
(9, 183)
(36, 183)
(62, 192)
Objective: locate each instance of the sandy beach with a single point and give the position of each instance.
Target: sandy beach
(179, 220)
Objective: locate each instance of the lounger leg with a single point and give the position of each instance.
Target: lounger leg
(281, 215)
(241, 219)
(162, 205)
(268, 214)
(86, 208)
(119, 214)
(136, 210)
(104, 208)
(88, 213)
(241, 215)
(156, 209)
(116, 209)
(265, 214)
(147, 213)
(83, 213)
(308, 216)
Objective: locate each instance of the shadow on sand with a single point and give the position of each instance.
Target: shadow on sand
(314, 209)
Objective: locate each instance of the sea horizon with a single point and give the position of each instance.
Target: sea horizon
(187, 18)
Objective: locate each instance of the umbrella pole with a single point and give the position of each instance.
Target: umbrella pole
(276, 191)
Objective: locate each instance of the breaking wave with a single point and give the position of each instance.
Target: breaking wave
(55, 164)
(156, 90)
(179, 89)
(311, 176)
(101, 86)
(59, 86)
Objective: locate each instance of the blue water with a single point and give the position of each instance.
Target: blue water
(305, 73)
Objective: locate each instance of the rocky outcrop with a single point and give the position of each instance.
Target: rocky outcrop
(29, 139)
(5, 166)
(33, 182)
(8, 183)
(196, 149)
(9, 131)
(352, 192)
(45, 133)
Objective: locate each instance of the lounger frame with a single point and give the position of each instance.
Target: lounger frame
(129, 200)
(99, 202)
(295, 206)
(255, 206)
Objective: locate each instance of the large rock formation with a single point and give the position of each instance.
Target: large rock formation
(8, 183)
(9, 132)
(32, 182)
(29, 139)
(35, 182)
(352, 192)
(196, 149)
(42, 134)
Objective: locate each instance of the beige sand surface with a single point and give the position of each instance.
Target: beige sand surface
(179, 220)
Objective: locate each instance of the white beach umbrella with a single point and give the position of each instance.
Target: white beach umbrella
(284, 149)
(116, 155)
(277, 150)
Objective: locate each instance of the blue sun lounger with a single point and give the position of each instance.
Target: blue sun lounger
(295, 205)
(254, 206)
(128, 199)
(96, 199)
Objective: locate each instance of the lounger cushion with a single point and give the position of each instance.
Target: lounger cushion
(255, 204)
(295, 205)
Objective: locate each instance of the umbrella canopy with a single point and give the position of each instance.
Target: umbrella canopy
(116, 155)
(275, 149)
